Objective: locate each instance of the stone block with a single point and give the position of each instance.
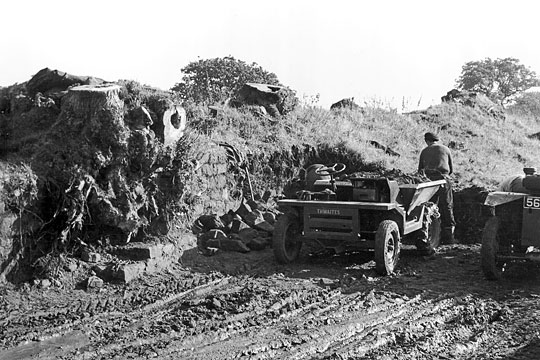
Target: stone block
(237, 225)
(207, 170)
(257, 244)
(228, 245)
(243, 210)
(168, 250)
(128, 272)
(90, 256)
(161, 256)
(268, 194)
(138, 251)
(104, 272)
(269, 217)
(197, 208)
(225, 194)
(206, 223)
(248, 234)
(45, 283)
(264, 226)
(255, 205)
(94, 282)
(157, 265)
(154, 265)
(214, 236)
(220, 182)
(71, 266)
(221, 168)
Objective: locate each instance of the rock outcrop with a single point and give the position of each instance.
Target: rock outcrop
(475, 100)
(275, 100)
(345, 104)
(48, 81)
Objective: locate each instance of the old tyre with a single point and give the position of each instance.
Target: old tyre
(387, 247)
(286, 242)
(490, 246)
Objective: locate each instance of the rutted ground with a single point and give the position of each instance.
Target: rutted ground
(235, 305)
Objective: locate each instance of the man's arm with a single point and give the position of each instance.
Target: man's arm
(421, 162)
(450, 164)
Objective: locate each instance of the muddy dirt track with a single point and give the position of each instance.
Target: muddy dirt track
(245, 306)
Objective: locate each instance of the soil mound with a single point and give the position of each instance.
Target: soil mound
(111, 161)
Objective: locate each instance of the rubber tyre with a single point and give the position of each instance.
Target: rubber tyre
(285, 239)
(387, 247)
(490, 267)
(433, 235)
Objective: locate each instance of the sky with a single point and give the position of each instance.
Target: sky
(400, 54)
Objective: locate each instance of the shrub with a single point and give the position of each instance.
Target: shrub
(527, 104)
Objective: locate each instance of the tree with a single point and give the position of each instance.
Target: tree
(498, 79)
(215, 80)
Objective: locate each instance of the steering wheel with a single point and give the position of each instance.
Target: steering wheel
(330, 170)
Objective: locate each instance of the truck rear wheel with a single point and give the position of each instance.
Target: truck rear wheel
(490, 246)
(429, 237)
(434, 233)
(387, 247)
(286, 242)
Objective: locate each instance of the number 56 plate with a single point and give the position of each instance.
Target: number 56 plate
(531, 202)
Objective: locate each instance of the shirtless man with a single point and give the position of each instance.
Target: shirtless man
(436, 163)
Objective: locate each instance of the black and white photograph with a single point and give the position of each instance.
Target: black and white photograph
(216, 180)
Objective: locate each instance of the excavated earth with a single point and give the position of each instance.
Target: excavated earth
(246, 306)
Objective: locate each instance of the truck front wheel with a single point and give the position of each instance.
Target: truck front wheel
(387, 247)
(286, 242)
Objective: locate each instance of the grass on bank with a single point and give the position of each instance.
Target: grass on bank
(485, 150)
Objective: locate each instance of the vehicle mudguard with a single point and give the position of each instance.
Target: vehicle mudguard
(501, 197)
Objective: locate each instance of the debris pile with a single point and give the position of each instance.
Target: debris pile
(248, 228)
(391, 174)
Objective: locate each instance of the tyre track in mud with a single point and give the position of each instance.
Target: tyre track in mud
(268, 311)
(200, 320)
(492, 333)
(55, 315)
(351, 327)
